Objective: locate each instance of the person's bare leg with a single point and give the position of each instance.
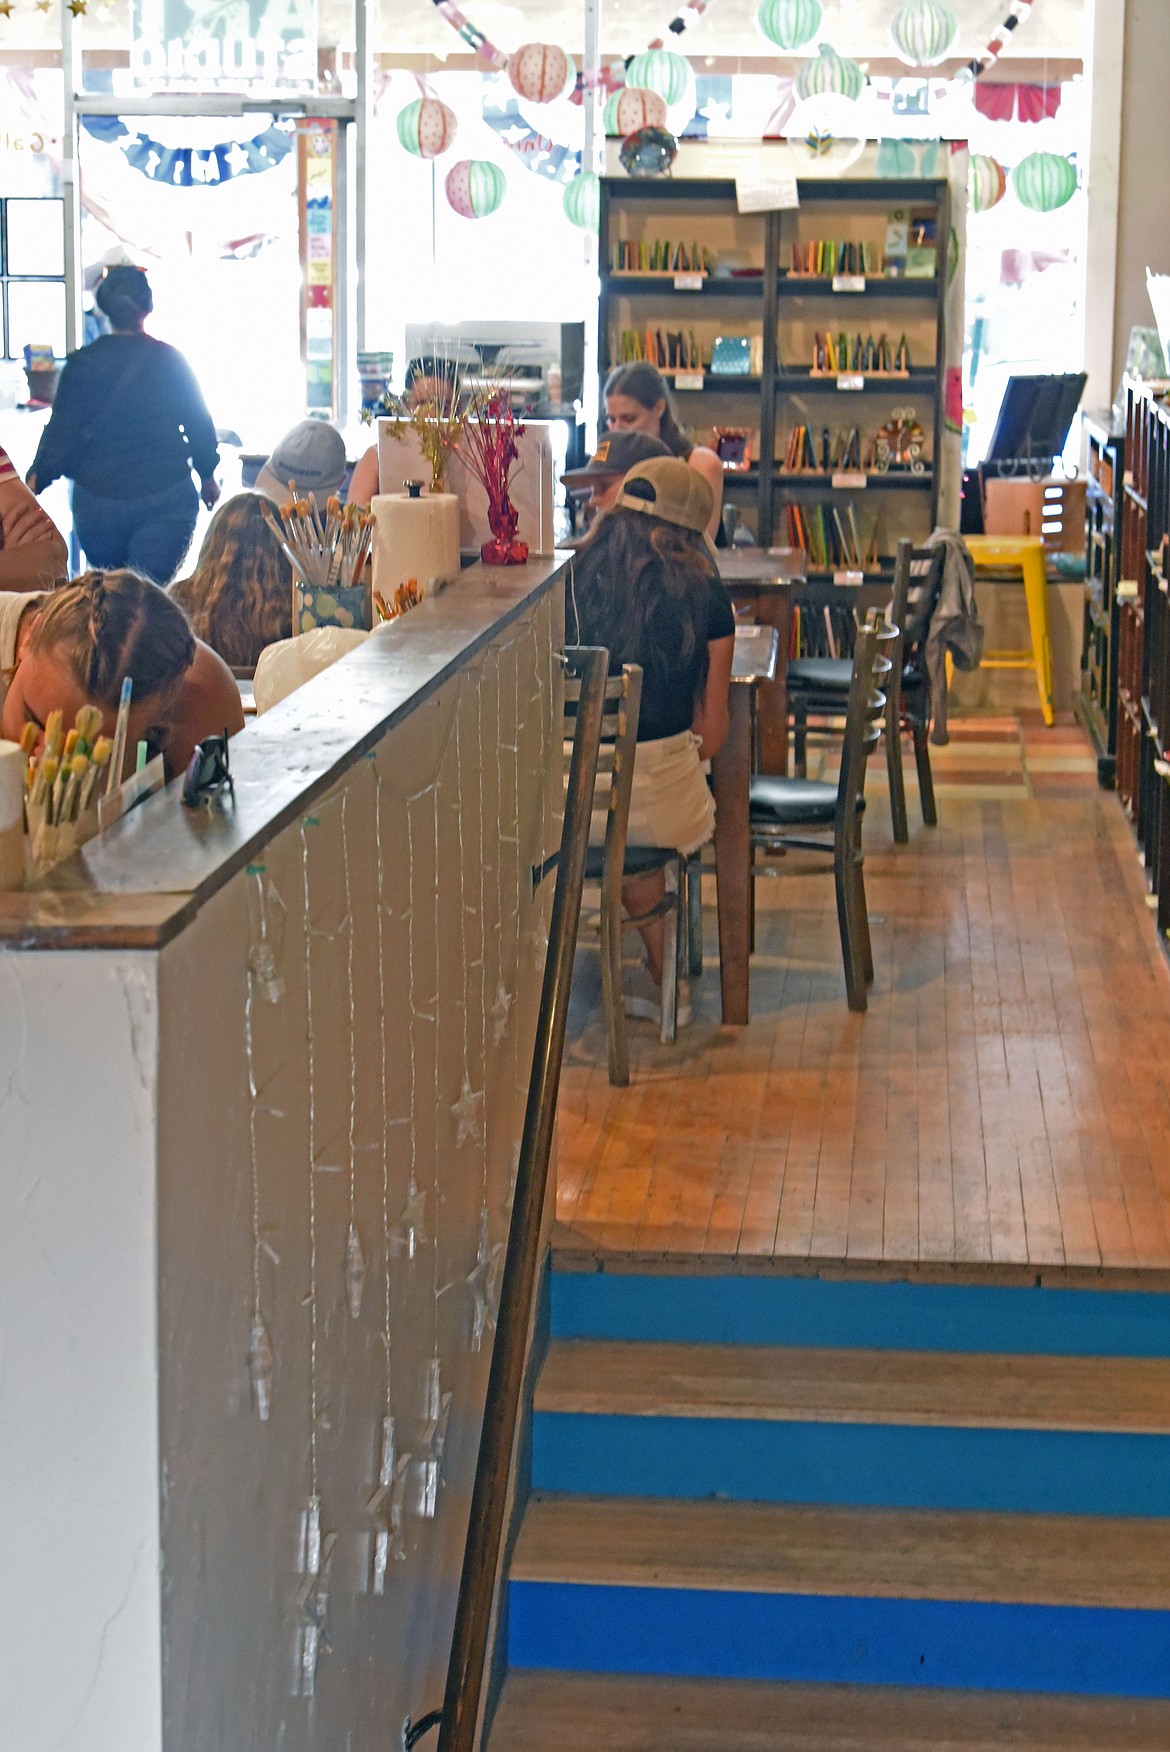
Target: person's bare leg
(640, 894)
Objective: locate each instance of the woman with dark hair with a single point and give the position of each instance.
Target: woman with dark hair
(637, 400)
(646, 587)
(239, 597)
(76, 645)
(128, 425)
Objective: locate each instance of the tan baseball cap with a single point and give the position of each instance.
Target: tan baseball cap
(669, 488)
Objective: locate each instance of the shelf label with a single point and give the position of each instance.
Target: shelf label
(851, 483)
(688, 282)
(688, 380)
(1127, 589)
(850, 380)
(849, 282)
(854, 579)
(766, 194)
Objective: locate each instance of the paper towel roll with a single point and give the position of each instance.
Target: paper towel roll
(415, 538)
(12, 766)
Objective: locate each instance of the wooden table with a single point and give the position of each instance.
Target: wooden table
(754, 669)
(764, 579)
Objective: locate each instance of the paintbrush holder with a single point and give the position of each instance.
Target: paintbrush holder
(320, 605)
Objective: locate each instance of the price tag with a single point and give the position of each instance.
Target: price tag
(766, 194)
(853, 579)
(851, 483)
(849, 282)
(688, 282)
(1127, 590)
(1127, 478)
(850, 380)
(688, 380)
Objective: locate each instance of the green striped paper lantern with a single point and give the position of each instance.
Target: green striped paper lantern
(582, 200)
(632, 108)
(426, 127)
(987, 183)
(1045, 181)
(790, 24)
(829, 72)
(923, 32)
(475, 187)
(663, 71)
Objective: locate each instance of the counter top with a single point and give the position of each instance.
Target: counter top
(138, 884)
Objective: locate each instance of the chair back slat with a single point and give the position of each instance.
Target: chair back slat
(863, 722)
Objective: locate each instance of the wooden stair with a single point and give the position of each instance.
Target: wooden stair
(836, 1547)
(618, 1712)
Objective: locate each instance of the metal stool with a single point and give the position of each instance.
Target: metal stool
(1025, 553)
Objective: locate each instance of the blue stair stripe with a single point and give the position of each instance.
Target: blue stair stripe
(867, 1465)
(675, 1307)
(837, 1640)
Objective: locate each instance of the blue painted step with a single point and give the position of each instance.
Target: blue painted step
(838, 1639)
(892, 1465)
(777, 1310)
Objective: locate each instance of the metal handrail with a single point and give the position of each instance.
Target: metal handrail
(469, 1644)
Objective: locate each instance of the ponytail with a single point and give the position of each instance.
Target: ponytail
(105, 626)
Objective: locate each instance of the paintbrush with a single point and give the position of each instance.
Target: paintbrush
(121, 729)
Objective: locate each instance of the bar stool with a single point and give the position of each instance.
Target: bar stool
(1025, 553)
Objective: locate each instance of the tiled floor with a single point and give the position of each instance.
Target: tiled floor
(1006, 1099)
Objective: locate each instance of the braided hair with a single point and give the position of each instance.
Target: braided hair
(105, 626)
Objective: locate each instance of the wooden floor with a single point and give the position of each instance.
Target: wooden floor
(1005, 1101)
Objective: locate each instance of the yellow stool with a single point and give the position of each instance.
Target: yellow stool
(1025, 553)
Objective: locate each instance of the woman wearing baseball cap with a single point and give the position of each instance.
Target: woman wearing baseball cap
(646, 587)
(637, 400)
(616, 454)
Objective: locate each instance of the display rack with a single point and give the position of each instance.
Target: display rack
(1104, 473)
(1143, 660)
(753, 290)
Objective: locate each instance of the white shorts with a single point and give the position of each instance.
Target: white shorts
(671, 805)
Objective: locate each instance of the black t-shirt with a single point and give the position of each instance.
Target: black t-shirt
(128, 420)
(672, 655)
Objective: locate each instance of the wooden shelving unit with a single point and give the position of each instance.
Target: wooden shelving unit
(782, 310)
(1104, 493)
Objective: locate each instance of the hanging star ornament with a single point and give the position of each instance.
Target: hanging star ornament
(499, 1013)
(355, 1272)
(483, 1280)
(467, 1113)
(387, 1505)
(5, 8)
(410, 1231)
(436, 1413)
(44, 5)
(313, 1598)
(78, 7)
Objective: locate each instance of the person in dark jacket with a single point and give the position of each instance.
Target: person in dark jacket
(128, 426)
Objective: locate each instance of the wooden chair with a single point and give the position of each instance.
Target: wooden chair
(604, 864)
(785, 813)
(819, 686)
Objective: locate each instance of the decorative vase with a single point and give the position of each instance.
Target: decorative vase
(790, 24)
(923, 32)
(1045, 181)
(829, 72)
(505, 548)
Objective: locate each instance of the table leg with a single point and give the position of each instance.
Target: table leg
(731, 779)
(773, 608)
(1036, 595)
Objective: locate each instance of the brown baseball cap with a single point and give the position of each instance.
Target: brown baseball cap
(616, 454)
(669, 488)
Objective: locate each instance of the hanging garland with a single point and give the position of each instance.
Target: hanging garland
(487, 51)
(189, 166)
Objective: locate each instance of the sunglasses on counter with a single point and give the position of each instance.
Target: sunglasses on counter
(208, 772)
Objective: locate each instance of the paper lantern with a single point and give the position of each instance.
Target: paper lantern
(1045, 181)
(790, 24)
(987, 183)
(426, 127)
(923, 32)
(540, 72)
(475, 187)
(663, 71)
(829, 72)
(632, 108)
(582, 200)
